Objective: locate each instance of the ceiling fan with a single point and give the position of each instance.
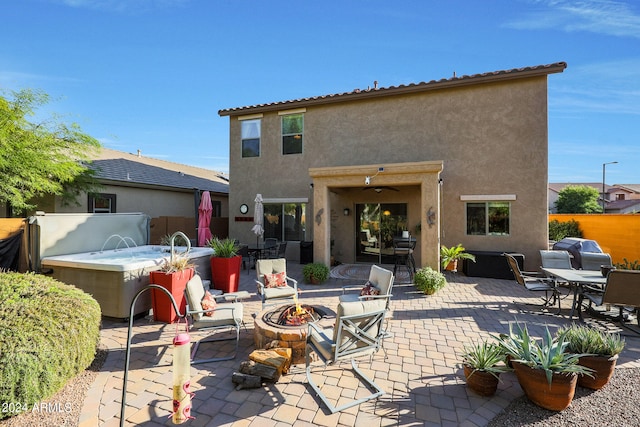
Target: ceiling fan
(379, 188)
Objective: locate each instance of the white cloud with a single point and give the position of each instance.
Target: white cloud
(612, 17)
(612, 86)
(122, 5)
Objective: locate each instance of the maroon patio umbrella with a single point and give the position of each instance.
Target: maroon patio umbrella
(204, 219)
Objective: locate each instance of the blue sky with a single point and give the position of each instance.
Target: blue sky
(152, 74)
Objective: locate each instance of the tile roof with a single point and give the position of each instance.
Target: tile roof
(454, 81)
(120, 167)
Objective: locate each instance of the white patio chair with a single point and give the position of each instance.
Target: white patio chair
(358, 331)
(225, 316)
(274, 294)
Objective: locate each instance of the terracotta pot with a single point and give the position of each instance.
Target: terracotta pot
(603, 367)
(452, 266)
(555, 396)
(481, 382)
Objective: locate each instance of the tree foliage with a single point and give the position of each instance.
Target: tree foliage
(559, 230)
(578, 199)
(44, 158)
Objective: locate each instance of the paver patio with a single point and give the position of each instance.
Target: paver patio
(421, 373)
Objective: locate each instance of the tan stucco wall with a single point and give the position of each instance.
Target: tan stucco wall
(152, 202)
(491, 138)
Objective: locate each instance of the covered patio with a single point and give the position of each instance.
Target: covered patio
(422, 378)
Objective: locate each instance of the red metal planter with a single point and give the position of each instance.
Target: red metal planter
(225, 273)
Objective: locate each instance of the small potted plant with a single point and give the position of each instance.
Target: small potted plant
(225, 264)
(483, 363)
(315, 273)
(449, 257)
(547, 373)
(600, 351)
(429, 280)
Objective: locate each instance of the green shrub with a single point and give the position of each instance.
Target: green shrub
(559, 230)
(49, 333)
(429, 281)
(627, 265)
(319, 271)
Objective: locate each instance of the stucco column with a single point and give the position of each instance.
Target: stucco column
(321, 223)
(430, 221)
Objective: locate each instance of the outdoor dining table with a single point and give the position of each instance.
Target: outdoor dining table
(576, 279)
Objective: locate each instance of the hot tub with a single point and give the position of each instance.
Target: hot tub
(114, 277)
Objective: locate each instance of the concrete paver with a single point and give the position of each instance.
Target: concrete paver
(419, 368)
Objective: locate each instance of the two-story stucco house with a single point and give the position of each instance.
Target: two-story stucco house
(457, 160)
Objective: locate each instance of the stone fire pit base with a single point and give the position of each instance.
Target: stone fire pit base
(267, 335)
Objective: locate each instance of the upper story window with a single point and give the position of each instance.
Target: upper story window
(250, 135)
(488, 218)
(292, 131)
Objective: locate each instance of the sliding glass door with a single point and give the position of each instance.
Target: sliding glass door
(378, 224)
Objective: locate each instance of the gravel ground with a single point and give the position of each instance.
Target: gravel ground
(617, 404)
(66, 404)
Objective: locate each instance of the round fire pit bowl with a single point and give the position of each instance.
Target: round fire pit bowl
(269, 332)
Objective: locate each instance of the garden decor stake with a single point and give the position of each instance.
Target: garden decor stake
(181, 378)
(181, 363)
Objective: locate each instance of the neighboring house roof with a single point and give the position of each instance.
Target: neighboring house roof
(632, 188)
(135, 170)
(559, 186)
(623, 205)
(356, 94)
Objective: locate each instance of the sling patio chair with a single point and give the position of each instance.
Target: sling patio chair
(622, 290)
(223, 316)
(273, 283)
(531, 281)
(358, 332)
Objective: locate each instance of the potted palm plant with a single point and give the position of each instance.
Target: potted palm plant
(173, 275)
(600, 352)
(547, 373)
(225, 264)
(449, 257)
(483, 363)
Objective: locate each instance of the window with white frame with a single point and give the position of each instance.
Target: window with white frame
(488, 218)
(102, 203)
(250, 135)
(292, 132)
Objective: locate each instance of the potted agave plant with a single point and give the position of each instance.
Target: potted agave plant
(600, 352)
(483, 363)
(547, 373)
(225, 264)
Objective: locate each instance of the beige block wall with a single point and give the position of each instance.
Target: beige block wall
(492, 139)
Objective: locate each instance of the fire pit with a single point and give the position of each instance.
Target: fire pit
(286, 326)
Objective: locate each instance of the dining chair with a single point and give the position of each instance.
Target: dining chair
(531, 281)
(358, 331)
(556, 259)
(593, 260)
(622, 290)
(223, 316)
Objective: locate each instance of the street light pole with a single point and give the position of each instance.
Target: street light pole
(603, 181)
